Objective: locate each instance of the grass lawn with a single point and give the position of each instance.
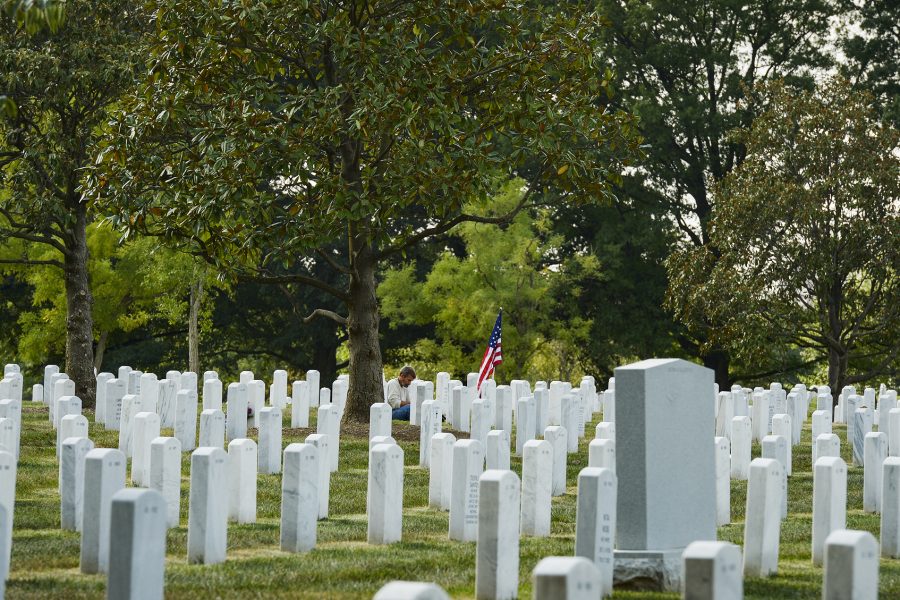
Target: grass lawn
(45, 559)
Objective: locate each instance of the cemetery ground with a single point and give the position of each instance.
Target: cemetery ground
(45, 560)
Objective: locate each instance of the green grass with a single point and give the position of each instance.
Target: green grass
(45, 559)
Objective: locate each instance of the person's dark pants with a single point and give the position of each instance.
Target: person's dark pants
(401, 414)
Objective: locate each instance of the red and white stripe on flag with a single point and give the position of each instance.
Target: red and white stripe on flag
(492, 355)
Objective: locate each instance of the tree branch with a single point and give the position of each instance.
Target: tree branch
(323, 312)
(26, 261)
(333, 263)
(296, 278)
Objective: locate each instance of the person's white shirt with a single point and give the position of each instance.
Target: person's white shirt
(397, 395)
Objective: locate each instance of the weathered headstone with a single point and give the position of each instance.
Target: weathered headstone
(146, 429)
(712, 571)
(829, 502)
(760, 414)
(149, 392)
(740, 448)
(186, 419)
(875, 453)
(212, 394)
(167, 390)
(605, 431)
(71, 426)
(894, 432)
(379, 419)
(208, 506)
(762, 524)
(100, 397)
(439, 477)
(242, 461)
(723, 481)
(782, 425)
(71, 481)
(565, 578)
(269, 420)
(503, 409)
(595, 522)
(541, 410)
(851, 566)
(278, 389)
(429, 424)
(11, 409)
(827, 444)
(481, 422)
(116, 390)
(236, 412)
(497, 450)
(137, 546)
(313, 380)
(821, 423)
(537, 481)
(299, 404)
(497, 547)
(328, 424)
(890, 508)
(384, 500)
(321, 442)
(104, 475)
(775, 447)
(468, 462)
(165, 475)
(212, 428)
(602, 454)
(569, 408)
(300, 498)
(524, 423)
(556, 436)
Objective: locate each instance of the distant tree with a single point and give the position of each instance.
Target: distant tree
(275, 136)
(514, 268)
(62, 85)
(805, 235)
(874, 54)
(683, 68)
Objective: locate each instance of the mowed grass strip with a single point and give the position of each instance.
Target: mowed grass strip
(45, 559)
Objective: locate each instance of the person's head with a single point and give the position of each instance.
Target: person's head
(407, 374)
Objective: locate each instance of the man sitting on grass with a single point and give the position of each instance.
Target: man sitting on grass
(398, 393)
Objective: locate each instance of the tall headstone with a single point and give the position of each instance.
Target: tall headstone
(186, 419)
(269, 420)
(894, 432)
(212, 428)
(556, 436)
(665, 419)
(481, 422)
(875, 453)
(829, 502)
(712, 570)
(723, 481)
(379, 419)
(328, 424)
(242, 459)
(71, 426)
(146, 429)
(497, 547)
(497, 450)
(278, 390)
(167, 390)
(524, 423)
(11, 410)
(208, 506)
(299, 404)
(468, 463)
(313, 380)
(321, 442)
(782, 425)
(740, 448)
(100, 397)
(299, 498)
(890, 508)
(775, 447)
(762, 524)
(503, 409)
(256, 400)
(602, 454)
(236, 412)
(71, 481)
(137, 546)
(116, 390)
(429, 424)
(595, 522)
(165, 475)
(212, 394)
(149, 392)
(537, 482)
(104, 475)
(384, 501)
(541, 410)
(851, 566)
(439, 476)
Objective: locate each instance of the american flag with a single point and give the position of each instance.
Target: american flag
(492, 355)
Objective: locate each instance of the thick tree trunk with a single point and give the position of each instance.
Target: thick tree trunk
(837, 372)
(324, 352)
(79, 318)
(366, 370)
(194, 326)
(719, 361)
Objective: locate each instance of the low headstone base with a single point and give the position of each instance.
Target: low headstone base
(648, 570)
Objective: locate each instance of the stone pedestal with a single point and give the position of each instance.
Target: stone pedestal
(647, 570)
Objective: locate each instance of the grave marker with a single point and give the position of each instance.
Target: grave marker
(300, 498)
(851, 566)
(71, 482)
(875, 453)
(829, 502)
(595, 522)
(299, 404)
(497, 547)
(104, 475)
(762, 526)
(269, 420)
(712, 570)
(208, 507)
(321, 442)
(165, 475)
(537, 481)
(441, 470)
(242, 460)
(212, 428)
(137, 546)
(565, 578)
(468, 462)
(384, 500)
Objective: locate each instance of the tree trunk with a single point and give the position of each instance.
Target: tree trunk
(101, 349)
(837, 372)
(324, 351)
(79, 318)
(194, 326)
(366, 371)
(719, 361)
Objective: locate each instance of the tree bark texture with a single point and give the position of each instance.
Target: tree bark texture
(719, 360)
(366, 371)
(79, 316)
(194, 326)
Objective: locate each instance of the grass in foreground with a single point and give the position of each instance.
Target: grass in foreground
(45, 559)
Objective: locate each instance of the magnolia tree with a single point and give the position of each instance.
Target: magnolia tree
(804, 244)
(275, 136)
